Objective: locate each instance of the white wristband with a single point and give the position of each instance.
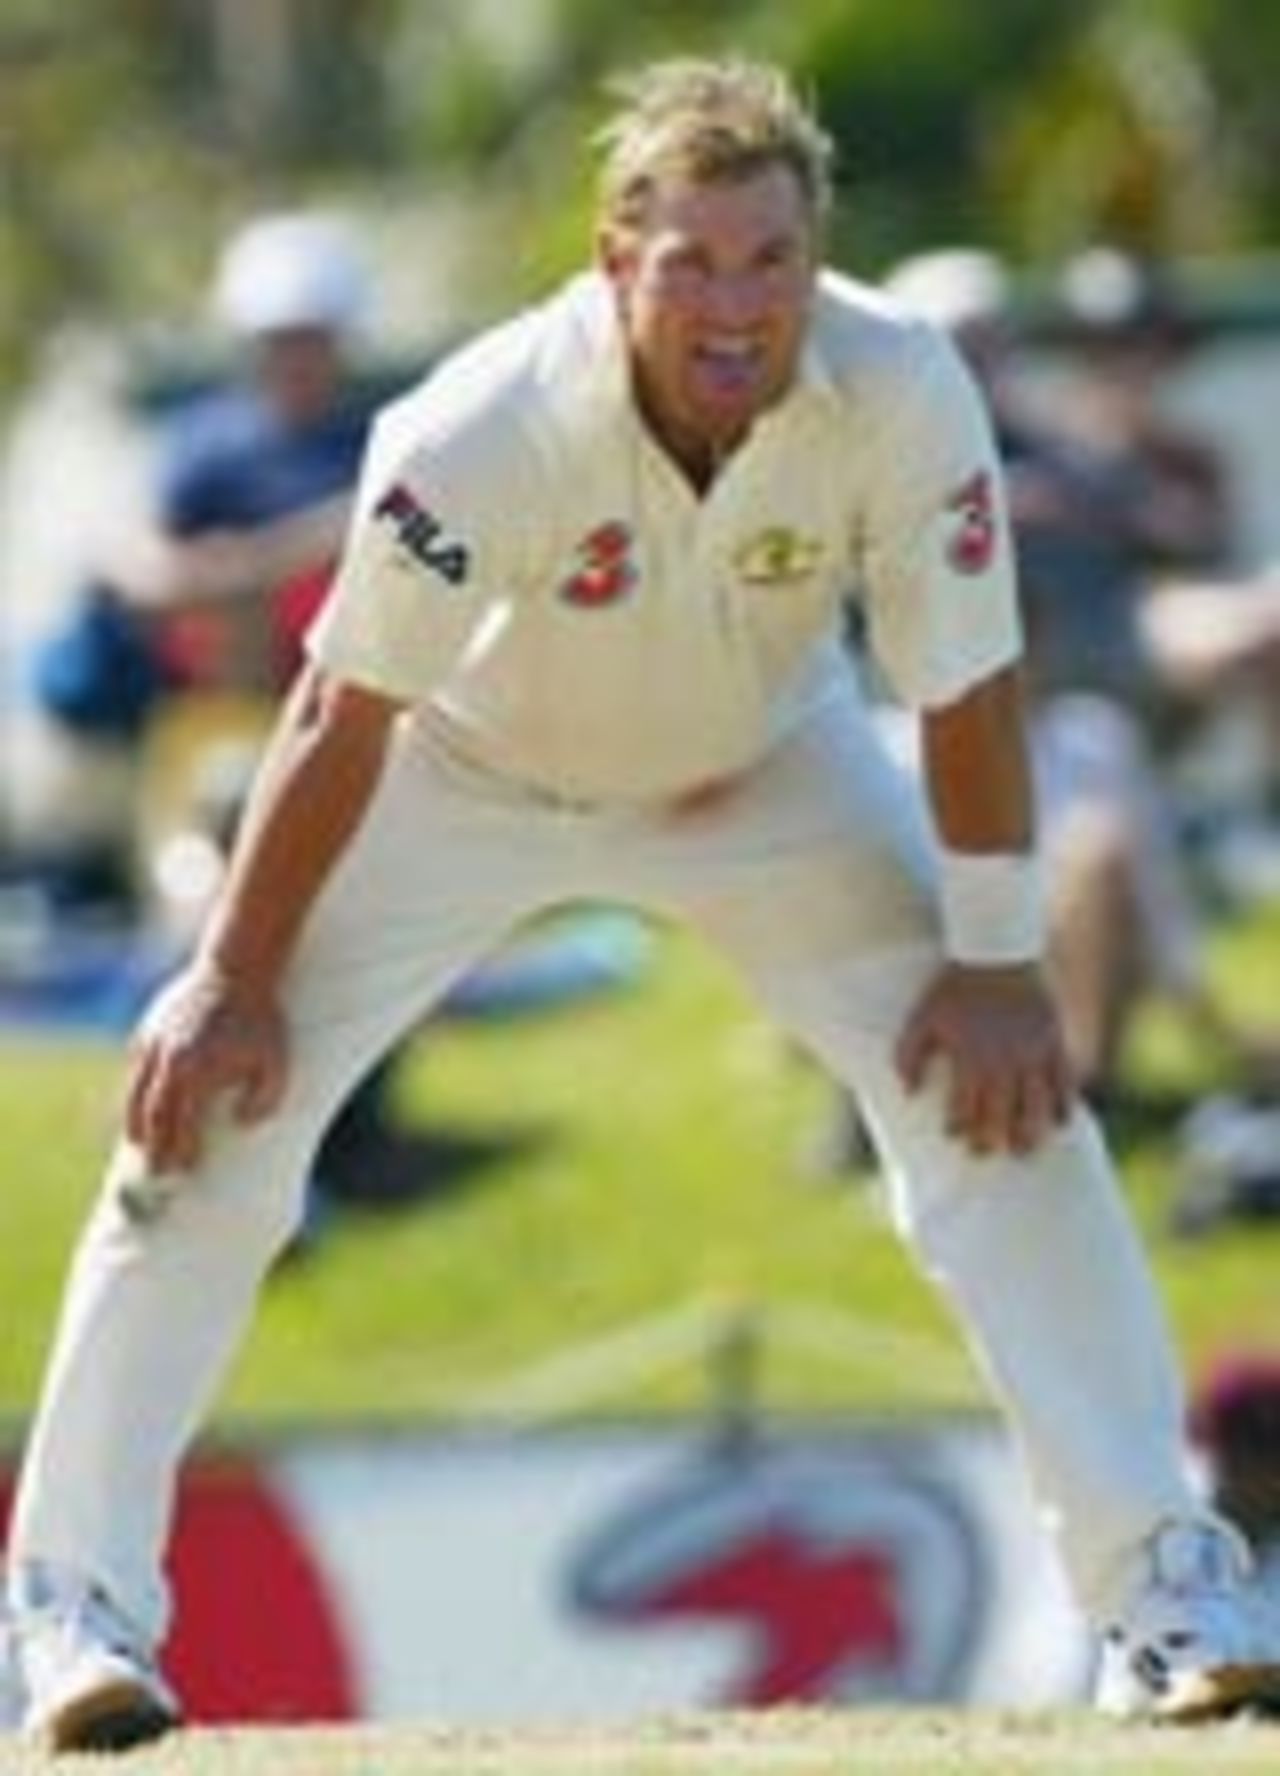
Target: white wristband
(992, 906)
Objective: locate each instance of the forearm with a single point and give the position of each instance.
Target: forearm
(165, 572)
(300, 540)
(988, 1013)
(976, 768)
(316, 781)
(979, 787)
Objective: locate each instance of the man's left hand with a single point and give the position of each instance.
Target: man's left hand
(1009, 1081)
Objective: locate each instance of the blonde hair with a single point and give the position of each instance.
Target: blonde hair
(705, 121)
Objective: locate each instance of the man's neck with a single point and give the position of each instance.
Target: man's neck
(699, 458)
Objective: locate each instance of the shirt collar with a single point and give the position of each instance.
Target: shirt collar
(814, 372)
(588, 362)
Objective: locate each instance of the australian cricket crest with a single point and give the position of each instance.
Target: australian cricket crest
(777, 556)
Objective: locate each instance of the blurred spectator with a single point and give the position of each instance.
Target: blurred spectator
(248, 513)
(256, 485)
(1130, 334)
(1210, 634)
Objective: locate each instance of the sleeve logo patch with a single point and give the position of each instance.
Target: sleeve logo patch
(421, 535)
(971, 539)
(604, 568)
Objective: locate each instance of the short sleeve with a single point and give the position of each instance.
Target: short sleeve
(421, 554)
(938, 577)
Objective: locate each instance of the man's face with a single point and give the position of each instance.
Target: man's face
(300, 371)
(714, 288)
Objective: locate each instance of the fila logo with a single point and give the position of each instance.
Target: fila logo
(421, 534)
(972, 541)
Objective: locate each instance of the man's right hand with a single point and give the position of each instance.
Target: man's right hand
(206, 1037)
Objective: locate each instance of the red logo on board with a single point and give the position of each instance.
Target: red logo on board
(839, 1580)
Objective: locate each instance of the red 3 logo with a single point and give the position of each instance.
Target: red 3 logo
(604, 569)
(972, 539)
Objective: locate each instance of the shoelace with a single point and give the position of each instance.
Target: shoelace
(1187, 1562)
(71, 1613)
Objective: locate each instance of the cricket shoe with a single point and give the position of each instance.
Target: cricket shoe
(1193, 1641)
(87, 1680)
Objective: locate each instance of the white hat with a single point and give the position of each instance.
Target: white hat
(953, 287)
(300, 269)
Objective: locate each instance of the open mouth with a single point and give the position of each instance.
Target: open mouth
(729, 369)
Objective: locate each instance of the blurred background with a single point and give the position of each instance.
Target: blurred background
(137, 132)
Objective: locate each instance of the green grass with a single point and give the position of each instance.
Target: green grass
(668, 1175)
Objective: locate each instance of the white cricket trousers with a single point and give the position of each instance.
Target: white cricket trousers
(813, 878)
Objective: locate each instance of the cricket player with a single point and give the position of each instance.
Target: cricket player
(585, 642)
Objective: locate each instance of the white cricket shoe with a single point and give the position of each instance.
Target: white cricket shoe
(1192, 1642)
(86, 1679)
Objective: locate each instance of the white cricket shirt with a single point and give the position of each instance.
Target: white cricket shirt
(526, 563)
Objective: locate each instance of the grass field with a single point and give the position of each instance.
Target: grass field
(785, 1744)
(664, 1168)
